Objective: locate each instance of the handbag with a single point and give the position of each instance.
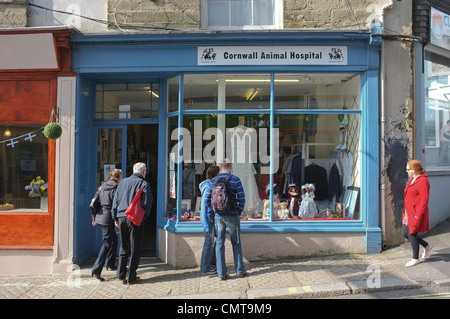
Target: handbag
(95, 204)
(135, 212)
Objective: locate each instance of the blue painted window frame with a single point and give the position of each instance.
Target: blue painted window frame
(369, 146)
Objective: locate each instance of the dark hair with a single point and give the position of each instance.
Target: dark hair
(212, 171)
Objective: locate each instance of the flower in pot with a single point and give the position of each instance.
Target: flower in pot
(38, 188)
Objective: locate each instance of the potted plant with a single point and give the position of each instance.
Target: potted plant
(38, 188)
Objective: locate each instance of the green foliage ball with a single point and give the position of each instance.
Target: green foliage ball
(52, 131)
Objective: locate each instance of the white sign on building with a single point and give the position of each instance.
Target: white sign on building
(272, 55)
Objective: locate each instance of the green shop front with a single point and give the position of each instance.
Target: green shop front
(295, 112)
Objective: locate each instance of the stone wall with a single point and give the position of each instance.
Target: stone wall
(13, 14)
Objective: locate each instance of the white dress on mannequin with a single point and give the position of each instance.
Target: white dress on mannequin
(244, 169)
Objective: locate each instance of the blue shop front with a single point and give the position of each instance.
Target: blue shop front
(295, 112)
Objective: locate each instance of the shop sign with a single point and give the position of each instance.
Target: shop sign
(440, 29)
(272, 55)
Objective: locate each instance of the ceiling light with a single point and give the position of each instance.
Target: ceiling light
(7, 132)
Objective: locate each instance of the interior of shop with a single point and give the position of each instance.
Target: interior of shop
(141, 146)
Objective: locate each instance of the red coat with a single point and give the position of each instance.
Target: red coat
(416, 204)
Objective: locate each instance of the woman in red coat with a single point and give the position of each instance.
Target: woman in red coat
(415, 211)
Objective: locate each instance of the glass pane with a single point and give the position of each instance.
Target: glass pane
(317, 91)
(241, 12)
(231, 91)
(23, 168)
(322, 150)
(173, 90)
(227, 13)
(218, 13)
(263, 12)
(172, 168)
(122, 101)
(437, 107)
(310, 145)
(109, 152)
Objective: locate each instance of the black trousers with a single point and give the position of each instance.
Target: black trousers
(107, 254)
(414, 239)
(130, 248)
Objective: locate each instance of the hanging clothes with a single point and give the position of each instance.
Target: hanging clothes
(347, 167)
(317, 175)
(334, 183)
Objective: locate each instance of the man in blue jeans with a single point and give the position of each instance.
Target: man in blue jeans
(230, 221)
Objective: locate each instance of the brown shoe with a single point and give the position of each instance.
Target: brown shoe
(135, 282)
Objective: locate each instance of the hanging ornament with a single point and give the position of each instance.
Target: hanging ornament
(52, 130)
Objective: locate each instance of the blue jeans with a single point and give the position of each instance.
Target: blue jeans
(208, 259)
(232, 223)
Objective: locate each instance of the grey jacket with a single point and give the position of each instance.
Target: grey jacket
(125, 192)
(106, 196)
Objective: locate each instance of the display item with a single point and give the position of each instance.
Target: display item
(308, 208)
(343, 124)
(283, 211)
(293, 200)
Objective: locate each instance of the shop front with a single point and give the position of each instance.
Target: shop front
(295, 112)
(33, 66)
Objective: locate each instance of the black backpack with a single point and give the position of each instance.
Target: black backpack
(222, 199)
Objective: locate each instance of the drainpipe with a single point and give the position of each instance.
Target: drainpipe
(379, 26)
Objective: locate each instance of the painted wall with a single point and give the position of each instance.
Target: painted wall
(184, 251)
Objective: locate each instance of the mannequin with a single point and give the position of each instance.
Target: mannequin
(246, 172)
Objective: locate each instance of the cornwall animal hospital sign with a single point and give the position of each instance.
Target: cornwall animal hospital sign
(272, 55)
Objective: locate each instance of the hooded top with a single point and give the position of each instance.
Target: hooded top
(206, 215)
(106, 196)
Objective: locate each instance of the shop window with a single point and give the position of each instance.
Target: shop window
(304, 142)
(173, 93)
(231, 91)
(24, 168)
(124, 101)
(437, 108)
(317, 91)
(241, 15)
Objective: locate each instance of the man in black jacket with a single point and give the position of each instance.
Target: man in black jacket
(130, 234)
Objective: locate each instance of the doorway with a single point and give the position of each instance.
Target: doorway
(121, 147)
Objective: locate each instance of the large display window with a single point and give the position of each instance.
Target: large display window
(437, 107)
(24, 168)
(293, 140)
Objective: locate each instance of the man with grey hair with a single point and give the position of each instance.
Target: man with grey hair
(130, 234)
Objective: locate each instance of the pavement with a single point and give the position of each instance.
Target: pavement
(308, 277)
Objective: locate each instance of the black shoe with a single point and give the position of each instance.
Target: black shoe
(211, 271)
(224, 277)
(111, 268)
(242, 275)
(97, 276)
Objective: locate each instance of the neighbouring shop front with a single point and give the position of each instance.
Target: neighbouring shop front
(33, 64)
(290, 109)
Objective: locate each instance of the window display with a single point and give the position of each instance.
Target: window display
(437, 106)
(24, 168)
(308, 150)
